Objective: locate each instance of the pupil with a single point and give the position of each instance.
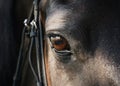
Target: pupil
(58, 42)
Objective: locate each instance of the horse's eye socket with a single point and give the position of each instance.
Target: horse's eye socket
(59, 43)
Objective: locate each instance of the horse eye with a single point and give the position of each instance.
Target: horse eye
(59, 42)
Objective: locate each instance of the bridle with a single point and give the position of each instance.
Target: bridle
(34, 30)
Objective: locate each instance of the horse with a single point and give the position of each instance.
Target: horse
(82, 40)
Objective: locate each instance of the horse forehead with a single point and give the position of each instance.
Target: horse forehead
(57, 19)
(58, 16)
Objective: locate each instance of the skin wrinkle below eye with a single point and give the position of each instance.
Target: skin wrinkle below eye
(56, 20)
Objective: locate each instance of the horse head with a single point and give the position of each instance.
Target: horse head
(82, 42)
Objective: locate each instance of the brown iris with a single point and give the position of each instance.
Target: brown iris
(59, 43)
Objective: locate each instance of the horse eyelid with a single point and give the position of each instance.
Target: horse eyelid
(62, 53)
